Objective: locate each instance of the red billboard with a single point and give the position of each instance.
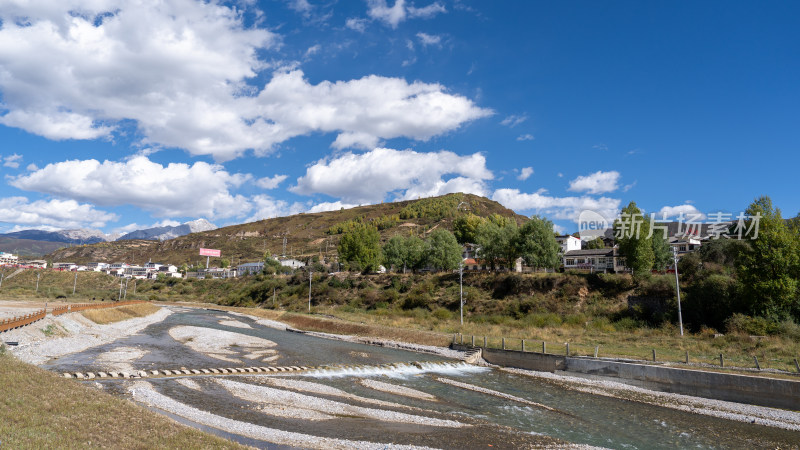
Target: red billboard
(210, 252)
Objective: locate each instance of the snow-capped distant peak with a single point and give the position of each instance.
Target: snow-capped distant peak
(199, 225)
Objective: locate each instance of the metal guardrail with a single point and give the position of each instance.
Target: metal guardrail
(21, 321)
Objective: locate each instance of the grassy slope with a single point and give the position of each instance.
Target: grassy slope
(110, 315)
(306, 236)
(38, 409)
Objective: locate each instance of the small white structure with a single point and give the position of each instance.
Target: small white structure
(250, 268)
(64, 266)
(568, 243)
(96, 266)
(293, 263)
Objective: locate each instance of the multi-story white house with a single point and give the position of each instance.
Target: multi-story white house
(568, 243)
(8, 259)
(250, 268)
(64, 266)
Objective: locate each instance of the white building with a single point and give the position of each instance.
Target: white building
(293, 263)
(595, 260)
(568, 243)
(7, 259)
(250, 268)
(64, 266)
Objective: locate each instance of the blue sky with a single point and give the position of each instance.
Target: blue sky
(121, 115)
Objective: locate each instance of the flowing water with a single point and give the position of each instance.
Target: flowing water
(492, 420)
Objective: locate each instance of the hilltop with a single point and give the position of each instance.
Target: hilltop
(307, 234)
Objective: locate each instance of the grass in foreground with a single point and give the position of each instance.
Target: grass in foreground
(38, 409)
(109, 315)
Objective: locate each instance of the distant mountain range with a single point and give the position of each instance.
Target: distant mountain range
(32, 242)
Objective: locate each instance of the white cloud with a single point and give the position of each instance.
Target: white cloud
(12, 161)
(270, 183)
(514, 120)
(201, 189)
(429, 39)
(301, 6)
(525, 137)
(596, 183)
(53, 214)
(363, 110)
(31, 167)
(668, 212)
(399, 12)
(182, 71)
(356, 24)
(266, 207)
(525, 173)
(559, 208)
(313, 50)
(330, 206)
(371, 176)
(426, 12)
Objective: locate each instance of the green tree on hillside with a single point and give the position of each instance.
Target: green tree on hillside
(465, 228)
(497, 242)
(595, 243)
(361, 245)
(536, 243)
(768, 269)
(444, 252)
(662, 252)
(631, 230)
(404, 252)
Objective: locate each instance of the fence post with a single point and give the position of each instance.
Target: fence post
(654, 355)
(523, 345)
(567, 344)
(473, 340)
(796, 366)
(721, 361)
(544, 348)
(455, 338)
(755, 358)
(504, 343)
(462, 338)
(484, 342)
(596, 350)
(687, 356)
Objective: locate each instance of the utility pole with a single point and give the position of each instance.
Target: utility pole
(75, 283)
(120, 290)
(274, 303)
(461, 291)
(1, 278)
(126, 289)
(309, 289)
(677, 288)
(37, 282)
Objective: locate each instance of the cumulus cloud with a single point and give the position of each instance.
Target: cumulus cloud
(12, 161)
(525, 137)
(363, 110)
(370, 177)
(182, 72)
(560, 208)
(596, 183)
(669, 212)
(330, 206)
(399, 12)
(31, 167)
(270, 183)
(266, 207)
(525, 173)
(429, 39)
(52, 214)
(200, 189)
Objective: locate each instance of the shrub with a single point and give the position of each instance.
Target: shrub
(542, 320)
(442, 314)
(755, 326)
(627, 324)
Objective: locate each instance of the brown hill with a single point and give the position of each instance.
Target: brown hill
(306, 235)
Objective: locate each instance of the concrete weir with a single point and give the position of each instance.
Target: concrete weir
(762, 391)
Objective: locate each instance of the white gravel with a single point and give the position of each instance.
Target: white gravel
(499, 394)
(316, 388)
(270, 323)
(263, 394)
(189, 383)
(120, 359)
(397, 390)
(778, 418)
(37, 348)
(234, 324)
(144, 392)
(220, 344)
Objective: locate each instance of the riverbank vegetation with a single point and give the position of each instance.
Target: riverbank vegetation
(39, 409)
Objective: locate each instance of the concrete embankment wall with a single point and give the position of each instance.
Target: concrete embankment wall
(761, 391)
